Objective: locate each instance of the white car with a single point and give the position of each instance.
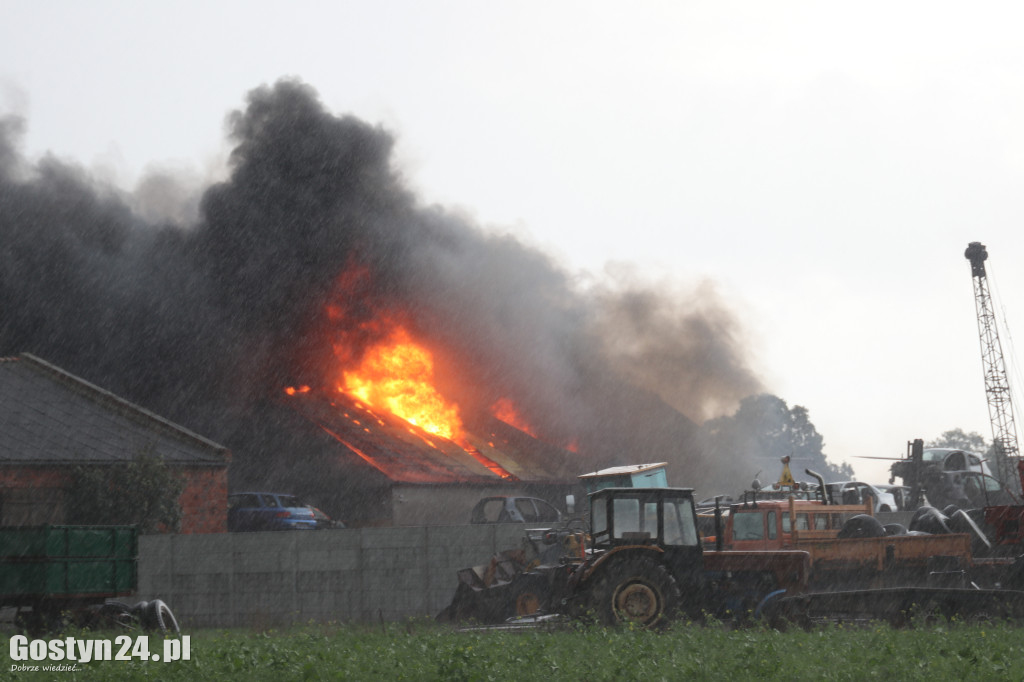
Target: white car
(709, 503)
(858, 492)
(513, 509)
(901, 493)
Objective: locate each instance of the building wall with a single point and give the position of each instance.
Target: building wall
(31, 496)
(35, 496)
(360, 575)
(204, 501)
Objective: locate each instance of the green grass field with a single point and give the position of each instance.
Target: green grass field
(424, 651)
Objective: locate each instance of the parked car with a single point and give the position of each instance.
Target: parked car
(709, 503)
(268, 511)
(323, 520)
(901, 493)
(511, 509)
(858, 492)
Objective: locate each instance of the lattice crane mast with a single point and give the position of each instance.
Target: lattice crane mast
(997, 387)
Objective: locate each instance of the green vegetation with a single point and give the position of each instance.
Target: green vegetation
(957, 438)
(423, 651)
(765, 429)
(143, 492)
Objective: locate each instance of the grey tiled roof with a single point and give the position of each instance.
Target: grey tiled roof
(48, 416)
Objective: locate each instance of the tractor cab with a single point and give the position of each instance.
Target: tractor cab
(660, 523)
(643, 516)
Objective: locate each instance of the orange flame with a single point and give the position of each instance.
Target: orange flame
(506, 412)
(398, 375)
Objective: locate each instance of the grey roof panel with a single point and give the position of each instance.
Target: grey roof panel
(48, 416)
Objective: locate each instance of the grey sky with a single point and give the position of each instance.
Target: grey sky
(823, 165)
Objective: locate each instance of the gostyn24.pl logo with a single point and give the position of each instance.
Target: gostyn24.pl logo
(29, 654)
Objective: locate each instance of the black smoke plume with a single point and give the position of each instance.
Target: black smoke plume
(202, 321)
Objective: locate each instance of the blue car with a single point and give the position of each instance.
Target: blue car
(268, 511)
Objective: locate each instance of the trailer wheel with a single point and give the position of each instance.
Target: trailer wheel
(786, 612)
(40, 621)
(985, 615)
(862, 526)
(928, 613)
(961, 522)
(929, 520)
(112, 615)
(139, 611)
(636, 590)
(158, 616)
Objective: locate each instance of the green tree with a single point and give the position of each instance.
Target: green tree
(762, 431)
(1003, 470)
(143, 492)
(956, 438)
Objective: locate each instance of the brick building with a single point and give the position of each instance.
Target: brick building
(51, 421)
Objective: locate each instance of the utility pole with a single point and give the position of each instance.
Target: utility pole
(997, 387)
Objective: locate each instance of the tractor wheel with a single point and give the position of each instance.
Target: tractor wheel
(528, 593)
(636, 590)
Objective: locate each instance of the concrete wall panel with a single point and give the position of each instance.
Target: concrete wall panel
(347, 575)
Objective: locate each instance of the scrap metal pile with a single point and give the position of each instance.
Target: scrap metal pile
(644, 562)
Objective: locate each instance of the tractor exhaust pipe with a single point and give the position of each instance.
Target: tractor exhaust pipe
(821, 485)
(718, 523)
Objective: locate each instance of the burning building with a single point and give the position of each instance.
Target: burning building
(414, 476)
(313, 265)
(422, 459)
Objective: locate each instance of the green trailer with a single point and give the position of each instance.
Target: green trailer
(33, 542)
(51, 572)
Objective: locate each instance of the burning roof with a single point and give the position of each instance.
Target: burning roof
(406, 453)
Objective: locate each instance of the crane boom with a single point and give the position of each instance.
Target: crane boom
(997, 387)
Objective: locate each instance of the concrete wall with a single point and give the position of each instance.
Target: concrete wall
(360, 575)
(353, 575)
